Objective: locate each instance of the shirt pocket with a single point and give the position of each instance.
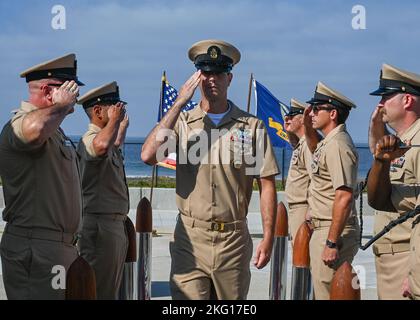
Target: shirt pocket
(68, 171)
(115, 160)
(66, 152)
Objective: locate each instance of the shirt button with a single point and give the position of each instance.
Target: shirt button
(213, 185)
(213, 204)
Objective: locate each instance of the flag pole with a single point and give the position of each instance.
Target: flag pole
(255, 94)
(154, 169)
(248, 106)
(282, 166)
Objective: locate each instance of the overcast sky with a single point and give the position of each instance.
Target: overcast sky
(288, 45)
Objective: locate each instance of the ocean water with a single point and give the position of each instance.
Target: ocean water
(134, 167)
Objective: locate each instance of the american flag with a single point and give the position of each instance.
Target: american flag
(168, 98)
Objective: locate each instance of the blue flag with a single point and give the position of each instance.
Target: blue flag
(271, 111)
(169, 95)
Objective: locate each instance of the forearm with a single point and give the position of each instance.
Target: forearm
(312, 138)
(379, 186)
(122, 131)
(268, 204)
(152, 142)
(376, 131)
(106, 137)
(341, 211)
(39, 125)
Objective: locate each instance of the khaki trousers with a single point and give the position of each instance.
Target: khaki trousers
(322, 275)
(104, 245)
(27, 266)
(296, 217)
(391, 270)
(414, 272)
(210, 264)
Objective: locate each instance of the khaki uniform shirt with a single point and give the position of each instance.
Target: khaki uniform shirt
(404, 196)
(402, 172)
(334, 165)
(41, 185)
(103, 177)
(298, 178)
(215, 183)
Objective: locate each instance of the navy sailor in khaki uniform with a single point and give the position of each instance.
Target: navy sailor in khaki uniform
(41, 185)
(298, 178)
(103, 240)
(212, 248)
(335, 238)
(394, 180)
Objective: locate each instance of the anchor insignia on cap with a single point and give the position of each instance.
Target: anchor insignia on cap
(213, 52)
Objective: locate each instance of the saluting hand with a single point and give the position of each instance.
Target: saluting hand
(387, 148)
(65, 96)
(187, 90)
(116, 112)
(307, 119)
(377, 128)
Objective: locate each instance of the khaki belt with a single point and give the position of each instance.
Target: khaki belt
(381, 248)
(212, 225)
(108, 216)
(316, 223)
(42, 234)
(298, 205)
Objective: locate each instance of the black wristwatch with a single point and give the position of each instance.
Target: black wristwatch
(331, 244)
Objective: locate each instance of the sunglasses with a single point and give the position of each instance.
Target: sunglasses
(315, 109)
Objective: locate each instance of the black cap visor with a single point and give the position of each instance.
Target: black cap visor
(294, 112)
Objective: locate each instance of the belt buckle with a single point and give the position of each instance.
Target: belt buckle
(217, 226)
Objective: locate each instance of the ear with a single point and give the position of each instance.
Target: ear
(46, 91)
(408, 101)
(301, 119)
(334, 115)
(97, 111)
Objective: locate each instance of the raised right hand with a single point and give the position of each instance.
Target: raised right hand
(116, 112)
(187, 90)
(307, 119)
(66, 95)
(377, 128)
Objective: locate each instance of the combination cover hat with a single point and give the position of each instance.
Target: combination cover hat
(107, 94)
(64, 68)
(214, 56)
(296, 107)
(324, 94)
(395, 80)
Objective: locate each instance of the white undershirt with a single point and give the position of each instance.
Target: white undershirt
(216, 117)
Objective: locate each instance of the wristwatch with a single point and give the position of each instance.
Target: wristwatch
(331, 244)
